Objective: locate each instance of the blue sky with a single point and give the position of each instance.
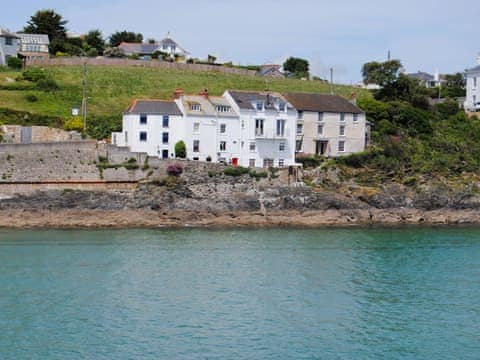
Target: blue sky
(342, 34)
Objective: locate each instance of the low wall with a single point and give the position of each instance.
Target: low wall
(10, 189)
(72, 61)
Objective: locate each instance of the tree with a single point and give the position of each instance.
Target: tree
(124, 36)
(180, 150)
(94, 40)
(114, 52)
(14, 63)
(455, 86)
(381, 73)
(50, 23)
(297, 66)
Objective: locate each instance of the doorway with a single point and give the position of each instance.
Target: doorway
(321, 147)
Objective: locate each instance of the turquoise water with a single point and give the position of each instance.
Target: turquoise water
(270, 294)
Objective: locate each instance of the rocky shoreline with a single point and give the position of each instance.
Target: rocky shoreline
(91, 219)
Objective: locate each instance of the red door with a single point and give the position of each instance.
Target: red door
(235, 161)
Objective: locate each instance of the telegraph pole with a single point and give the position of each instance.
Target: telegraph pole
(331, 81)
(84, 97)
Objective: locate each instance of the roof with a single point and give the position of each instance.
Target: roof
(475, 69)
(37, 39)
(153, 107)
(321, 103)
(267, 69)
(246, 99)
(207, 105)
(422, 76)
(138, 48)
(8, 34)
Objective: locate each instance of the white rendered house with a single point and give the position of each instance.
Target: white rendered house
(472, 101)
(266, 128)
(328, 125)
(151, 126)
(9, 46)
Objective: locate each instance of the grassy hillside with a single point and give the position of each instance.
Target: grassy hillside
(111, 89)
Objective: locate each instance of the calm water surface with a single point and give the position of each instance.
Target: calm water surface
(270, 294)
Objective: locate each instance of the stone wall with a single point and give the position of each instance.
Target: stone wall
(64, 61)
(39, 134)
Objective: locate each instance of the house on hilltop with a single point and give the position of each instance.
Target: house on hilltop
(9, 45)
(271, 70)
(34, 46)
(472, 101)
(428, 80)
(146, 50)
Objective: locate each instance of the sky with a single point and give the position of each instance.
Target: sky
(341, 34)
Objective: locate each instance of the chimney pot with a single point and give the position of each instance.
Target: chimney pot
(178, 93)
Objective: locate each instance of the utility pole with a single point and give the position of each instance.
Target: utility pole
(388, 57)
(331, 81)
(84, 97)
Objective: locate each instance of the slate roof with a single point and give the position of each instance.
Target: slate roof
(246, 99)
(169, 42)
(7, 34)
(153, 107)
(421, 76)
(138, 48)
(34, 39)
(321, 103)
(475, 69)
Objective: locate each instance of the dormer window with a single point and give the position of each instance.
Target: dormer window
(143, 119)
(259, 106)
(222, 108)
(195, 107)
(281, 106)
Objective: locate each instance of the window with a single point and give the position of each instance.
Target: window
(222, 108)
(267, 163)
(8, 41)
(300, 115)
(126, 137)
(165, 121)
(114, 139)
(251, 163)
(281, 127)
(143, 136)
(298, 145)
(281, 162)
(259, 127)
(259, 105)
(196, 145)
(281, 146)
(342, 130)
(252, 147)
(281, 106)
(341, 146)
(355, 117)
(164, 154)
(196, 127)
(165, 138)
(223, 146)
(195, 107)
(143, 119)
(474, 82)
(320, 116)
(223, 128)
(299, 129)
(320, 129)
(243, 124)
(342, 117)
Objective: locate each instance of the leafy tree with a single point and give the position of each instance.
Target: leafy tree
(180, 150)
(381, 73)
(114, 52)
(297, 66)
(50, 23)
(14, 63)
(455, 86)
(124, 36)
(94, 40)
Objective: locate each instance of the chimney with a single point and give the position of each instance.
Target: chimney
(353, 98)
(204, 93)
(178, 93)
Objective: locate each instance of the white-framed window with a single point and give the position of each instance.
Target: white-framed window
(319, 129)
(281, 106)
(267, 163)
(114, 139)
(126, 137)
(341, 146)
(281, 162)
(165, 138)
(196, 127)
(165, 121)
(243, 124)
(281, 127)
(320, 116)
(342, 116)
(475, 82)
(252, 147)
(142, 136)
(196, 146)
(259, 106)
(299, 128)
(223, 128)
(251, 163)
(195, 107)
(223, 146)
(300, 115)
(259, 127)
(342, 130)
(222, 108)
(298, 145)
(281, 146)
(143, 119)
(355, 118)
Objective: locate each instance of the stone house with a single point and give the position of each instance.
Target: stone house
(9, 45)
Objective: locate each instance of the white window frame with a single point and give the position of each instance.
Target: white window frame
(282, 147)
(341, 146)
(223, 146)
(322, 127)
(252, 147)
(342, 130)
(223, 128)
(196, 127)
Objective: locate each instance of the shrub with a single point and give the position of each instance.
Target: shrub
(31, 98)
(259, 175)
(14, 63)
(75, 124)
(174, 170)
(180, 150)
(308, 160)
(235, 171)
(34, 74)
(47, 85)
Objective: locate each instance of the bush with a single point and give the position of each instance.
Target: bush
(74, 124)
(92, 52)
(309, 160)
(180, 150)
(31, 98)
(235, 171)
(47, 85)
(34, 74)
(359, 159)
(259, 175)
(14, 63)
(174, 170)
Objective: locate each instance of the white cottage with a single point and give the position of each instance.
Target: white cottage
(472, 101)
(151, 126)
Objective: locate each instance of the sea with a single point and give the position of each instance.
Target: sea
(352, 293)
